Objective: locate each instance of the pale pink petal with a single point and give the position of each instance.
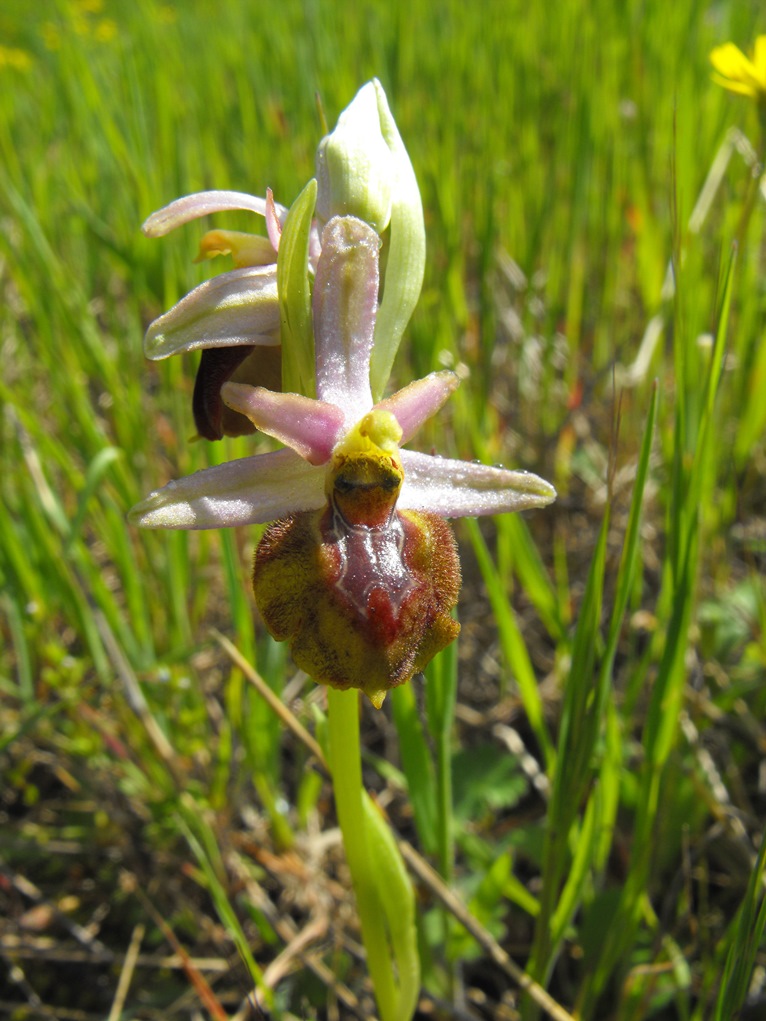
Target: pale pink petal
(249, 491)
(239, 307)
(345, 303)
(457, 489)
(315, 246)
(191, 207)
(273, 226)
(418, 401)
(310, 427)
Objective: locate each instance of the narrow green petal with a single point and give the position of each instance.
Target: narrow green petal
(295, 295)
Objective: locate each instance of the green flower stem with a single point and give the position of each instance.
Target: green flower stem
(384, 895)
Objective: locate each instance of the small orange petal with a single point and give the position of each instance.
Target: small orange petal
(245, 249)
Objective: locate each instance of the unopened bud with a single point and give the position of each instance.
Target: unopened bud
(355, 167)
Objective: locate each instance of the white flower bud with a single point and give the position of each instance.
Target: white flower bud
(355, 167)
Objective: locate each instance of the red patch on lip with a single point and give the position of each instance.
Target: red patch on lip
(362, 607)
(381, 618)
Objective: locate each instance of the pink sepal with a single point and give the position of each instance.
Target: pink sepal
(239, 307)
(345, 305)
(202, 203)
(273, 226)
(248, 491)
(459, 489)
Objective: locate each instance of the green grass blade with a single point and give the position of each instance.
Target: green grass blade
(417, 765)
(511, 641)
(744, 939)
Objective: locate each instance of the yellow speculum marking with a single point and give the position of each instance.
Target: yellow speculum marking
(366, 473)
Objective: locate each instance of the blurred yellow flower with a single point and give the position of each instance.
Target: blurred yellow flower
(12, 56)
(106, 30)
(51, 36)
(739, 73)
(166, 15)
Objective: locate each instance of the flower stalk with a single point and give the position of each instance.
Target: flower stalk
(384, 894)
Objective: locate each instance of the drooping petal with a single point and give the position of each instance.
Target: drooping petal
(239, 307)
(248, 491)
(345, 302)
(733, 86)
(456, 489)
(191, 207)
(310, 427)
(418, 401)
(273, 225)
(216, 366)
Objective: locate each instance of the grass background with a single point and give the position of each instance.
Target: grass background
(587, 772)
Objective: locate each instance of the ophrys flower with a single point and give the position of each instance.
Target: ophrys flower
(360, 572)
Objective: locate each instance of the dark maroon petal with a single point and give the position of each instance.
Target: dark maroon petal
(216, 367)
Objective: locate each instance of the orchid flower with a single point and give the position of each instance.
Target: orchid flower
(360, 570)
(234, 319)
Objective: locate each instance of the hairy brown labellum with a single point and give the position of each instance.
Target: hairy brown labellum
(362, 607)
